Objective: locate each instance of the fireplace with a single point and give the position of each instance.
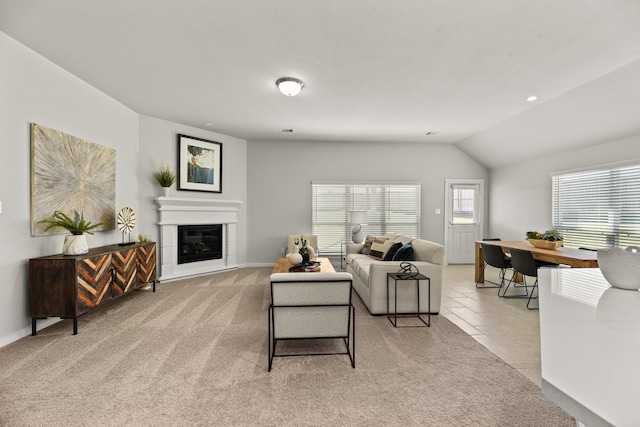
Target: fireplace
(195, 216)
(199, 243)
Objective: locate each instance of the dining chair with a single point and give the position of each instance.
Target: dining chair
(524, 263)
(494, 257)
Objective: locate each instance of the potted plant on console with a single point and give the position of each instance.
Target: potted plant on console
(76, 243)
(166, 176)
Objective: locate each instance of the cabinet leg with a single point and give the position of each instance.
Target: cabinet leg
(75, 326)
(154, 286)
(33, 326)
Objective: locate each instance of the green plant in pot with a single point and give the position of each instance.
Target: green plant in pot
(78, 226)
(166, 176)
(550, 239)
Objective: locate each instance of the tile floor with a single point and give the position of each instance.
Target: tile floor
(504, 326)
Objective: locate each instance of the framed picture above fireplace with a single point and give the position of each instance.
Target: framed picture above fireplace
(199, 164)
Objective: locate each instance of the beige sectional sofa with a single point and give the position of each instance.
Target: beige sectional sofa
(370, 276)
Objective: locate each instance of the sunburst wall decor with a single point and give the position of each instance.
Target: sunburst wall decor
(70, 174)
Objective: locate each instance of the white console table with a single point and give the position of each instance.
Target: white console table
(590, 346)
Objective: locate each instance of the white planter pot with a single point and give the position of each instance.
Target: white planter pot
(165, 191)
(75, 245)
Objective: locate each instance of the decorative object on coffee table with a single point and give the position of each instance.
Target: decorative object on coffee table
(304, 249)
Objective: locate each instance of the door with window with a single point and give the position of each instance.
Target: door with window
(463, 219)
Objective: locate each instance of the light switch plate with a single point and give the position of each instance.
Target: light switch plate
(437, 211)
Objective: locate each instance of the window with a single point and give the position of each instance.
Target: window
(464, 204)
(598, 208)
(391, 208)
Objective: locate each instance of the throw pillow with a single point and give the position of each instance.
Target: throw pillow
(379, 249)
(368, 241)
(405, 253)
(392, 251)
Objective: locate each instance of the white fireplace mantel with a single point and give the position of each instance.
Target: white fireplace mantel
(175, 211)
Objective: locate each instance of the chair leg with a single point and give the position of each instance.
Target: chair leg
(534, 289)
(496, 285)
(504, 293)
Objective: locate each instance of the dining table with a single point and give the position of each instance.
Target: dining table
(573, 257)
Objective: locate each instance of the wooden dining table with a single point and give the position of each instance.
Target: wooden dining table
(577, 258)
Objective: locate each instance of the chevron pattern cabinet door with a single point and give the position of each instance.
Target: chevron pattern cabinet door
(124, 266)
(94, 280)
(146, 263)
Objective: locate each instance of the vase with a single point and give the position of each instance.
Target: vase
(75, 245)
(295, 258)
(165, 191)
(305, 257)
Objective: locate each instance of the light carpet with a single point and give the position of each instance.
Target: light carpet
(195, 353)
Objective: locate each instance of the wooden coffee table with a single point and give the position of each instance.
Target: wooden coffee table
(283, 265)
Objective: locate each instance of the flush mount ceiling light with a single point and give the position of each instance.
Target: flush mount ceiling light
(532, 98)
(289, 86)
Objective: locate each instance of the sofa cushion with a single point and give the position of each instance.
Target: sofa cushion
(392, 251)
(405, 253)
(378, 250)
(368, 241)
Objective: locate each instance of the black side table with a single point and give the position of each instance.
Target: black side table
(396, 277)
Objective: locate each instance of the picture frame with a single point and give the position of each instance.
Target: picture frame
(199, 164)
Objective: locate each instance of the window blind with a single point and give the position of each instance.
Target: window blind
(390, 208)
(598, 208)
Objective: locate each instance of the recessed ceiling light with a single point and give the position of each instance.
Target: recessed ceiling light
(286, 130)
(532, 98)
(207, 124)
(290, 86)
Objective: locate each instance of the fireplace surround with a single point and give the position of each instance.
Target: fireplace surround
(178, 211)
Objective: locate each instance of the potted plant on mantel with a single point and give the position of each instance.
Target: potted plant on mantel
(166, 176)
(550, 239)
(76, 244)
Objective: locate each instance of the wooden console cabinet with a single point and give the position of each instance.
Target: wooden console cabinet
(68, 286)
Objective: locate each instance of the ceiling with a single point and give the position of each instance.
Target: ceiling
(374, 70)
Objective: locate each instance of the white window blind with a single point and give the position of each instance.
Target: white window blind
(391, 208)
(598, 208)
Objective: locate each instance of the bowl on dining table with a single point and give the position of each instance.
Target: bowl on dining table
(621, 267)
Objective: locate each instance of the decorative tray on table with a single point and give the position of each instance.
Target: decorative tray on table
(309, 266)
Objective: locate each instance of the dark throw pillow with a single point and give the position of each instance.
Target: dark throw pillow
(405, 253)
(392, 251)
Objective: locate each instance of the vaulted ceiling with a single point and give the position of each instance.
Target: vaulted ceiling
(374, 70)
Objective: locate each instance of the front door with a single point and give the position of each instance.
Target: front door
(463, 219)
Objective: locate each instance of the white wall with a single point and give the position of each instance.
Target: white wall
(34, 90)
(280, 175)
(159, 143)
(520, 195)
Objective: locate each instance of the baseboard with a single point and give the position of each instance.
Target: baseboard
(24, 332)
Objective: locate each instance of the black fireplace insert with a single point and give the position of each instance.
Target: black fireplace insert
(199, 243)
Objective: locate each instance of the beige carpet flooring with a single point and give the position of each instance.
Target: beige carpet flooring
(195, 353)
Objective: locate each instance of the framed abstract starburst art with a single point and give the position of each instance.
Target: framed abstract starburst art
(70, 174)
